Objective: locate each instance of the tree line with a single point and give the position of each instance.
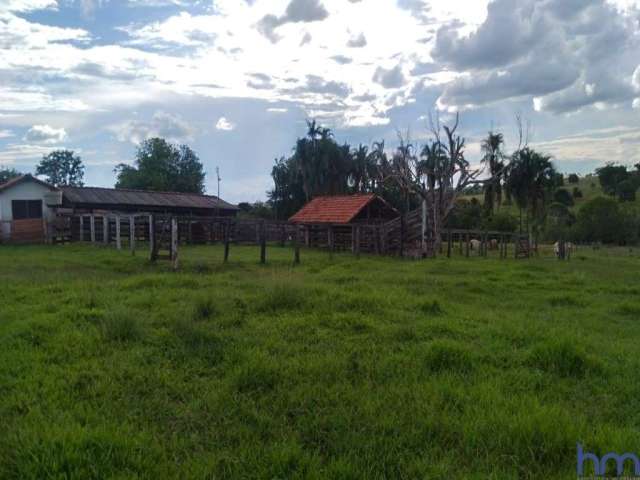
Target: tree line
(459, 195)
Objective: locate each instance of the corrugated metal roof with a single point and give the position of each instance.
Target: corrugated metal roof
(142, 198)
(333, 209)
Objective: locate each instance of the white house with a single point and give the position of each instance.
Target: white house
(24, 214)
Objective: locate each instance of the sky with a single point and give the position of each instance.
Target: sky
(237, 79)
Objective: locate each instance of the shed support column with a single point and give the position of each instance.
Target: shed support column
(92, 226)
(105, 229)
(81, 228)
(132, 234)
(174, 242)
(118, 239)
(151, 234)
(152, 239)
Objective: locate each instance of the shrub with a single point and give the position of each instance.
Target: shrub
(602, 219)
(573, 178)
(563, 196)
(577, 193)
(502, 222)
(121, 325)
(448, 356)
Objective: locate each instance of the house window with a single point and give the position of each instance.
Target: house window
(23, 209)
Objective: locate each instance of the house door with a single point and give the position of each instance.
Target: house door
(27, 225)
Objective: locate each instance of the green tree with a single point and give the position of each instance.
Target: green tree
(7, 174)
(563, 196)
(627, 189)
(574, 178)
(603, 220)
(62, 168)
(577, 193)
(493, 160)
(611, 176)
(163, 166)
(530, 181)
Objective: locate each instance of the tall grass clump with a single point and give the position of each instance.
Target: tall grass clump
(431, 308)
(281, 297)
(448, 356)
(562, 357)
(120, 325)
(204, 308)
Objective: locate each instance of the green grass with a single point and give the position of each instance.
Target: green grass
(338, 368)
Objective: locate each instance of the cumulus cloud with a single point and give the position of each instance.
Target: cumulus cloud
(45, 134)
(225, 125)
(392, 78)
(161, 124)
(26, 5)
(297, 11)
(568, 54)
(357, 41)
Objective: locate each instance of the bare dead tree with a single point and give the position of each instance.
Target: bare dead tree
(438, 176)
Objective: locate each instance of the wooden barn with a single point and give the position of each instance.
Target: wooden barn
(330, 221)
(31, 209)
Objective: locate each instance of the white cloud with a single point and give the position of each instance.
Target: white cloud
(277, 110)
(162, 124)
(26, 5)
(45, 134)
(225, 125)
(6, 134)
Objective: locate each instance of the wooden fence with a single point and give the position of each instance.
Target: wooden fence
(162, 235)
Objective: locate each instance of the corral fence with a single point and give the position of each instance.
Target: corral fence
(162, 234)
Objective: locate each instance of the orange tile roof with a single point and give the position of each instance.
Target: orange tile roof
(333, 209)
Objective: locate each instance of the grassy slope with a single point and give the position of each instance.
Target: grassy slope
(589, 186)
(343, 368)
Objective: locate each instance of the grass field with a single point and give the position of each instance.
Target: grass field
(338, 368)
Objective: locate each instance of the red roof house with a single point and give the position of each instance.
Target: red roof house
(345, 209)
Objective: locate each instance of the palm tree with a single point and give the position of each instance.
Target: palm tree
(359, 174)
(530, 180)
(493, 161)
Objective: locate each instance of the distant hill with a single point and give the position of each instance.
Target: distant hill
(588, 185)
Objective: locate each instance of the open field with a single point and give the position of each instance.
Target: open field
(338, 368)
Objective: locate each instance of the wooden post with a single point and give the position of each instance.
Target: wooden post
(92, 225)
(152, 235)
(296, 246)
(401, 235)
(189, 232)
(331, 240)
(132, 234)
(307, 240)
(460, 241)
(468, 245)
(263, 244)
(283, 235)
(118, 239)
(227, 235)
(174, 243)
(105, 229)
(449, 245)
(485, 237)
(82, 228)
(153, 253)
